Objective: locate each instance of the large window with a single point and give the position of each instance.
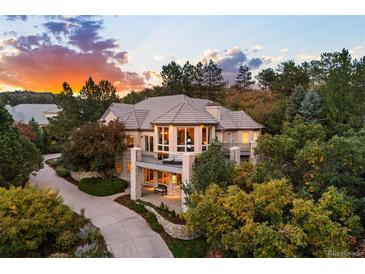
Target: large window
(148, 143)
(206, 137)
(256, 135)
(163, 138)
(245, 137)
(185, 139)
(130, 141)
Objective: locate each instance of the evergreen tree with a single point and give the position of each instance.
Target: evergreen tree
(311, 108)
(18, 156)
(213, 81)
(172, 78)
(266, 78)
(295, 101)
(244, 78)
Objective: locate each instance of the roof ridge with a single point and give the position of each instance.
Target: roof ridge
(166, 112)
(181, 105)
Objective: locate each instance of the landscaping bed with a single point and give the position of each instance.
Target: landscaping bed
(196, 248)
(99, 186)
(164, 211)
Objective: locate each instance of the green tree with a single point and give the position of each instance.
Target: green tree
(28, 218)
(295, 102)
(343, 93)
(211, 167)
(272, 221)
(276, 119)
(91, 103)
(289, 75)
(213, 81)
(18, 156)
(95, 146)
(278, 153)
(244, 78)
(266, 78)
(311, 108)
(172, 78)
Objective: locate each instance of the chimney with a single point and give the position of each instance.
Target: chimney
(214, 109)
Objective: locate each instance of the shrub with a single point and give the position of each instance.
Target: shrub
(66, 240)
(90, 233)
(62, 171)
(99, 186)
(91, 250)
(28, 217)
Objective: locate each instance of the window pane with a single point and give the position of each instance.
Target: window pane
(255, 135)
(204, 136)
(130, 141)
(146, 143)
(181, 149)
(159, 133)
(166, 135)
(190, 135)
(181, 136)
(151, 143)
(245, 137)
(209, 135)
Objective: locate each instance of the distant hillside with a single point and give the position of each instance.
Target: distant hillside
(26, 97)
(258, 104)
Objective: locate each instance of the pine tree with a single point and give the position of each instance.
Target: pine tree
(244, 78)
(311, 108)
(213, 81)
(295, 101)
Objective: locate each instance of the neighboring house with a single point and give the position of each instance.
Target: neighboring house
(39, 112)
(165, 133)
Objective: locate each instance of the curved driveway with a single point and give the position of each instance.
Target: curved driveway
(126, 233)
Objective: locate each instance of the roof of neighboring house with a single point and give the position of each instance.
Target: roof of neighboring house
(25, 112)
(178, 110)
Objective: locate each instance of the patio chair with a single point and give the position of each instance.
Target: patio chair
(160, 189)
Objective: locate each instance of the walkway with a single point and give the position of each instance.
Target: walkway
(125, 232)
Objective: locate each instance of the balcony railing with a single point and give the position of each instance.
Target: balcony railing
(243, 147)
(165, 158)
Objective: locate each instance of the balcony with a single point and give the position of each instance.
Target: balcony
(170, 162)
(244, 148)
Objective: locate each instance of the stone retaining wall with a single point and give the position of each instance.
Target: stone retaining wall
(174, 230)
(79, 175)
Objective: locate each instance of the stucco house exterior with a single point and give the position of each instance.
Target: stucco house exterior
(164, 134)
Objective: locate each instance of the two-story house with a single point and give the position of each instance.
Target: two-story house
(165, 133)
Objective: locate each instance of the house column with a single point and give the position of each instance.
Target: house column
(136, 174)
(187, 163)
(170, 188)
(235, 155)
(253, 158)
(155, 178)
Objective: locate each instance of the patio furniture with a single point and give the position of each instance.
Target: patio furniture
(160, 189)
(173, 159)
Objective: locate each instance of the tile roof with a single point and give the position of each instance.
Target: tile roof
(25, 112)
(178, 109)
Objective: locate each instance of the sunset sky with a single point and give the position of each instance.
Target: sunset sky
(39, 53)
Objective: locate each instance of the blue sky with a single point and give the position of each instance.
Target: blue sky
(132, 49)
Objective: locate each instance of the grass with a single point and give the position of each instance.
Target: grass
(99, 186)
(196, 248)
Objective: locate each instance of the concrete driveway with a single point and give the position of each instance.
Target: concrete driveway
(126, 233)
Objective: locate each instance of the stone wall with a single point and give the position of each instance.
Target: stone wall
(174, 230)
(78, 175)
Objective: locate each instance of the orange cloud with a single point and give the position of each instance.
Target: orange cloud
(46, 67)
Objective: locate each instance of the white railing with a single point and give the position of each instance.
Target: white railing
(243, 147)
(161, 158)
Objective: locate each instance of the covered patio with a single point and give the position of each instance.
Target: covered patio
(172, 201)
